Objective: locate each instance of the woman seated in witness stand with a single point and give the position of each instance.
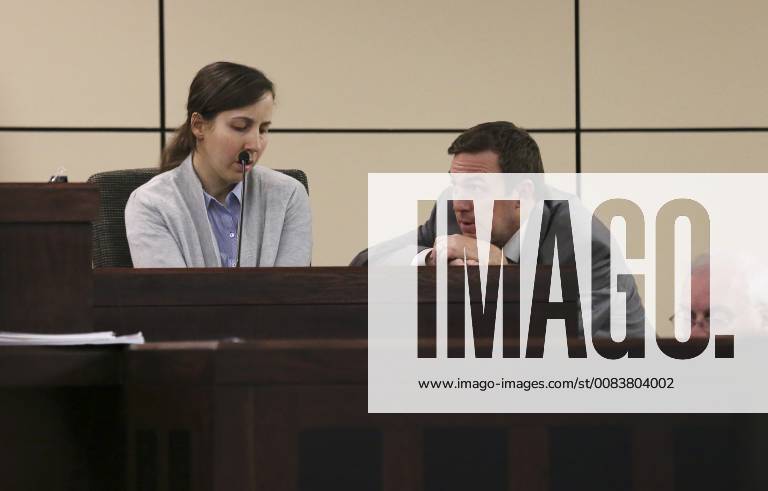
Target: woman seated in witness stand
(188, 215)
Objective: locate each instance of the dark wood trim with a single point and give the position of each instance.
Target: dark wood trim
(22, 366)
(278, 361)
(267, 286)
(218, 286)
(528, 459)
(47, 203)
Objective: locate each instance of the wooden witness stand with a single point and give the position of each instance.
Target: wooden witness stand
(283, 406)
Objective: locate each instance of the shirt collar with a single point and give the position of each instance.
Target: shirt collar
(512, 247)
(237, 192)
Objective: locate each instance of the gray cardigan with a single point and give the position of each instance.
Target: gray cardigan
(167, 223)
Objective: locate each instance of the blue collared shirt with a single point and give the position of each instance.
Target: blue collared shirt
(224, 219)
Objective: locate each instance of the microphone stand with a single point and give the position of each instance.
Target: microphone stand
(244, 158)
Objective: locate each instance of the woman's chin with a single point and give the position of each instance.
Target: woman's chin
(238, 167)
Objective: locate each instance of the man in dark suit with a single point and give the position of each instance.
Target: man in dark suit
(502, 147)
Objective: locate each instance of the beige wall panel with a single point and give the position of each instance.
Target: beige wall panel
(393, 64)
(337, 166)
(675, 152)
(79, 63)
(674, 63)
(34, 157)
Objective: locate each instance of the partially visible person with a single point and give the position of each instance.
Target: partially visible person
(731, 304)
(188, 216)
(700, 299)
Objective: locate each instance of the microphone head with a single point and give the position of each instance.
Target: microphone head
(244, 157)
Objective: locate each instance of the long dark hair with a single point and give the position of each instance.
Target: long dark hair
(217, 87)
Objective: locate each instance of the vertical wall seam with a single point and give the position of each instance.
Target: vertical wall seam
(161, 42)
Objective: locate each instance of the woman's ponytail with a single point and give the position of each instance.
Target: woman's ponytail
(176, 151)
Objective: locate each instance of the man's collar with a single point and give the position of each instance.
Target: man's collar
(512, 248)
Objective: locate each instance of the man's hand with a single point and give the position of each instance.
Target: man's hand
(454, 247)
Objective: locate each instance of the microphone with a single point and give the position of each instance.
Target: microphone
(244, 158)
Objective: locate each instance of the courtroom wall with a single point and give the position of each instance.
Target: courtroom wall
(384, 86)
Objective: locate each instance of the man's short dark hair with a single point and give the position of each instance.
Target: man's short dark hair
(518, 152)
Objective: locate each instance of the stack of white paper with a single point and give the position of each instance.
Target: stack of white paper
(31, 339)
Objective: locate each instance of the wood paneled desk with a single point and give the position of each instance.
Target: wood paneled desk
(287, 407)
(61, 418)
(248, 303)
(45, 256)
(292, 414)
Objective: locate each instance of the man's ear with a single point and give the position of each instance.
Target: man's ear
(197, 124)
